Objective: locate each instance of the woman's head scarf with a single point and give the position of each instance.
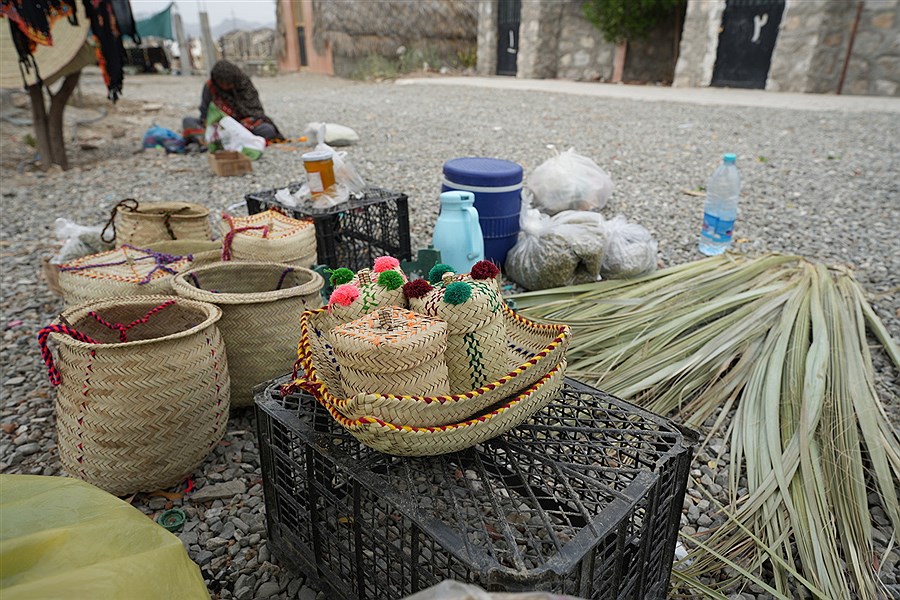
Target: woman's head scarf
(242, 100)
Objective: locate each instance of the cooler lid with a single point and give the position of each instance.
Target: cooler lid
(485, 172)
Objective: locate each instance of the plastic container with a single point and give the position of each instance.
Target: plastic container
(497, 185)
(583, 499)
(319, 166)
(354, 233)
(721, 207)
(457, 233)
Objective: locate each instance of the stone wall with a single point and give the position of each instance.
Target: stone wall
(555, 40)
(811, 49)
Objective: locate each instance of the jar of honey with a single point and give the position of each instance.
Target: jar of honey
(319, 166)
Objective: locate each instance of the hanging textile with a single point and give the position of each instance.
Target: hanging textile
(110, 50)
(127, 25)
(158, 25)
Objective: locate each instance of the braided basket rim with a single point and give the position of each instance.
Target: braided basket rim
(186, 290)
(213, 314)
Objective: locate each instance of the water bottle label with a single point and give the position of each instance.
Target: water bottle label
(717, 230)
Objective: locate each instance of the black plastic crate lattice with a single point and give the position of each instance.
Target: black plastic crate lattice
(584, 499)
(354, 233)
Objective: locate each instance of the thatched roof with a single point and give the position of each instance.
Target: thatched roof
(360, 27)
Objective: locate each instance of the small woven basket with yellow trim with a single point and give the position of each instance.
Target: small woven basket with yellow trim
(534, 350)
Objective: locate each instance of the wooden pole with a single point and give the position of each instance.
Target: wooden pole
(619, 61)
(48, 126)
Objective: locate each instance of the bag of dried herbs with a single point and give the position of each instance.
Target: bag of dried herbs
(564, 249)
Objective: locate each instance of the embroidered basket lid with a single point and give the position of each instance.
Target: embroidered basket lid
(391, 332)
(464, 303)
(126, 264)
(271, 225)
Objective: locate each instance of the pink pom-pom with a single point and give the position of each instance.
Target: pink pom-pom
(344, 295)
(385, 263)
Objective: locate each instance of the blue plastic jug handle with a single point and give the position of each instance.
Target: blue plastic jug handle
(470, 241)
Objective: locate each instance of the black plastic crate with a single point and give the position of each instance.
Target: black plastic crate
(583, 499)
(352, 234)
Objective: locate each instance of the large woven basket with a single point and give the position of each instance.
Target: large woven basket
(141, 223)
(140, 414)
(125, 271)
(260, 304)
(406, 440)
(537, 348)
(270, 236)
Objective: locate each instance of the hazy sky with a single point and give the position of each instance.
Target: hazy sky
(259, 11)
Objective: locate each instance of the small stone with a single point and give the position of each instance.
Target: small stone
(307, 593)
(203, 557)
(15, 381)
(267, 590)
(28, 449)
(217, 491)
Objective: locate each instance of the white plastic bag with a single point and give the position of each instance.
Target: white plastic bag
(630, 250)
(456, 590)
(234, 136)
(568, 181)
(78, 240)
(564, 249)
(335, 135)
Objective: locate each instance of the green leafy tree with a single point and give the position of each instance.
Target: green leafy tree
(621, 20)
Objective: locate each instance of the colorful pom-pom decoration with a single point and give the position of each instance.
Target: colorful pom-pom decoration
(344, 295)
(390, 280)
(341, 276)
(437, 272)
(484, 269)
(416, 288)
(385, 263)
(457, 292)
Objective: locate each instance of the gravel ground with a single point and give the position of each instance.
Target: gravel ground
(819, 184)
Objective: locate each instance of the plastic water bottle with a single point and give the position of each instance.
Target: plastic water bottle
(720, 209)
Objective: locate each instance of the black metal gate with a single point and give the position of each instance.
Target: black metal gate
(746, 41)
(508, 16)
(301, 38)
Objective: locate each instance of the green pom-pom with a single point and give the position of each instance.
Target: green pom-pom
(390, 280)
(341, 276)
(437, 272)
(457, 292)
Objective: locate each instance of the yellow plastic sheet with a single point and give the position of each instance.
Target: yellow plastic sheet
(64, 538)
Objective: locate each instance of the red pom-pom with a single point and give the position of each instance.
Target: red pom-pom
(416, 288)
(385, 263)
(344, 295)
(484, 269)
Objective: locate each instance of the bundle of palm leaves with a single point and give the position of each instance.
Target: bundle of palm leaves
(774, 350)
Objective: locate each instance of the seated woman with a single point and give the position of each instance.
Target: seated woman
(233, 92)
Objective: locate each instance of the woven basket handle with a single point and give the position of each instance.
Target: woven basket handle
(128, 203)
(168, 215)
(229, 237)
(386, 319)
(365, 277)
(44, 335)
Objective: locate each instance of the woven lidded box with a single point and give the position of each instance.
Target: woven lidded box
(270, 236)
(126, 271)
(477, 349)
(358, 294)
(392, 351)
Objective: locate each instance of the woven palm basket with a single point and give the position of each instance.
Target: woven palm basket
(407, 440)
(392, 350)
(260, 304)
(477, 352)
(125, 271)
(370, 295)
(201, 252)
(141, 414)
(270, 236)
(534, 350)
(141, 223)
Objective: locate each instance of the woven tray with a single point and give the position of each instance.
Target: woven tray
(538, 348)
(406, 440)
(125, 271)
(140, 414)
(260, 303)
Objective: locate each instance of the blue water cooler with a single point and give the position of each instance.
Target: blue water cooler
(497, 185)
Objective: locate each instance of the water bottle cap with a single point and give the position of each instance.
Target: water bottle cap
(729, 159)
